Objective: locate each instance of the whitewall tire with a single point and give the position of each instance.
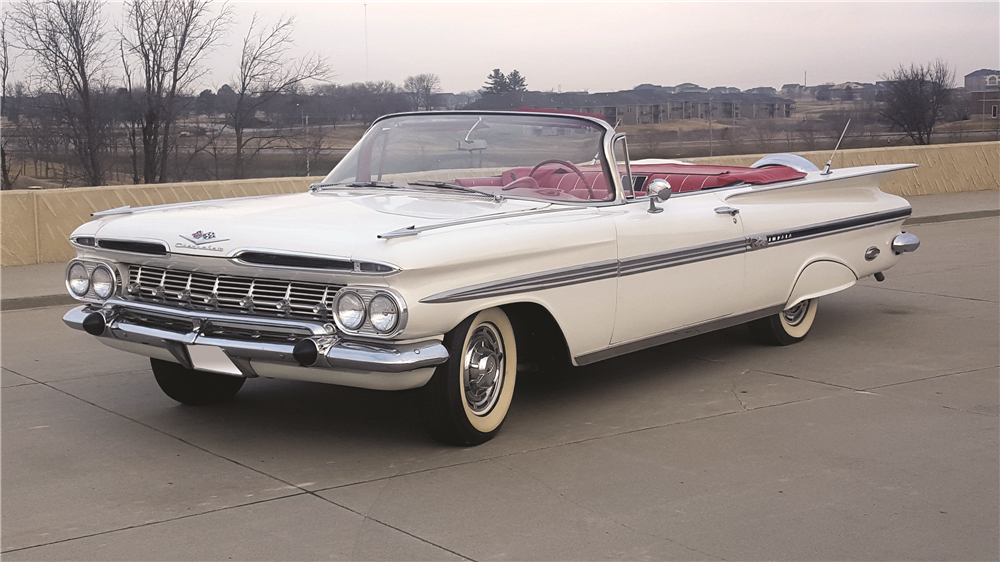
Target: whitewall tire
(786, 327)
(466, 401)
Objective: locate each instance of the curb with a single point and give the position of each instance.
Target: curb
(22, 303)
(953, 217)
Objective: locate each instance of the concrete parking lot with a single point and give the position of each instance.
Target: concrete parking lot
(874, 439)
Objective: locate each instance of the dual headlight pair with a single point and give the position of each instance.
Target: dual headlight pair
(99, 279)
(383, 311)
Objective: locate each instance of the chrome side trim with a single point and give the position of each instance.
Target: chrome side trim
(413, 230)
(650, 262)
(776, 238)
(663, 260)
(532, 282)
(668, 337)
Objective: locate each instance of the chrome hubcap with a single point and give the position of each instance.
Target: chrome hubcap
(483, 369)
(795, 315)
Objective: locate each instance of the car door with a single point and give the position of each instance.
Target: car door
(679, 267)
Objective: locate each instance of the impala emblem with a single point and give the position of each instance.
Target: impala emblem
(757, 242)
(201, 238)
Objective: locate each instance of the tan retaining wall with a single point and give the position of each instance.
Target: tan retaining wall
(944, 168)
(35, 225)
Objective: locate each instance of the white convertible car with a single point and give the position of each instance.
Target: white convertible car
(448, 249)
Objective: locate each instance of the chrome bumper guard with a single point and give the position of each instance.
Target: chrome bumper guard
(305, 343)
(905, 242)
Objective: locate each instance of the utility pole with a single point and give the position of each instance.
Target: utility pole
(366, 43)
(711, 151)
(305, 132)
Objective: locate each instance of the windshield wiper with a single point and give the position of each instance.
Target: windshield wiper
(317, 186)
(446, 185)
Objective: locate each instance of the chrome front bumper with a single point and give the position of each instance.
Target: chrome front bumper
(256, 346)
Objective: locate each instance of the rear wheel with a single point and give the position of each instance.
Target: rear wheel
(467, 399)
(786, 327)
(194, 388)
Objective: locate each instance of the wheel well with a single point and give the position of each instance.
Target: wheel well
(540, 340)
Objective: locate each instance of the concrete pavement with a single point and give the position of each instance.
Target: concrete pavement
(874, 439)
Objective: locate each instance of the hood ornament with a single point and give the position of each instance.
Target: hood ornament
(201, 237)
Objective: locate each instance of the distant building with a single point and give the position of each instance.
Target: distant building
(982, 80)
(984, 104)
(854, 91)
(793, 91)
(451, 101)
(689, 88)
(647, 106)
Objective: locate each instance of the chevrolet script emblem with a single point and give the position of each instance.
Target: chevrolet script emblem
(201, 238)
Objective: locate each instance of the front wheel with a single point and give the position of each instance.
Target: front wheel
(467, 399)
(194, 388)
(786, 327)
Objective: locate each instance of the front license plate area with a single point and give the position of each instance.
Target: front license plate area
(212, 359)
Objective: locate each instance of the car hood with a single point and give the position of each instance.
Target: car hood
(330, 223)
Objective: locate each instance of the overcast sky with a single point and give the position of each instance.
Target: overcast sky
(600, 46)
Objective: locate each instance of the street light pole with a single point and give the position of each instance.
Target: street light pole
(305, 132)
(711, 150)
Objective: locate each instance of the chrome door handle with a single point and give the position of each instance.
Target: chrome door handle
(731, 211)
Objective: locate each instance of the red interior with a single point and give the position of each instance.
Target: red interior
(557, 181)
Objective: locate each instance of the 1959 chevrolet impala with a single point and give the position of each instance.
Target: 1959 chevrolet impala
(446, 249)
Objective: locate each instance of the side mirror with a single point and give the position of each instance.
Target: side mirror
(659, 190)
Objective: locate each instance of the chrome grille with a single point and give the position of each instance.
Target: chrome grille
(227, 293)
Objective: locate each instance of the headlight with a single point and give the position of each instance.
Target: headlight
(351, 310)
(383, 313)
(103, 282)
(78, 279)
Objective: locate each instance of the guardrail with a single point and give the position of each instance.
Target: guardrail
(35, 224)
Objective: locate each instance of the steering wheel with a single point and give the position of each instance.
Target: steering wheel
(569, 165)
(526, 181)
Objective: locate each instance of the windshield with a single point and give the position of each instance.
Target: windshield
(529, 156)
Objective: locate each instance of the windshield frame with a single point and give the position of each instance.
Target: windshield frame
(607, 134)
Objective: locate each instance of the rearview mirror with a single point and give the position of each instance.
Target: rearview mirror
(659, 190)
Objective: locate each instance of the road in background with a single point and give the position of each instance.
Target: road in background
(876, 438)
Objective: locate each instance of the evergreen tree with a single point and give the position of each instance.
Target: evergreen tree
(516, 82)
(496, 83)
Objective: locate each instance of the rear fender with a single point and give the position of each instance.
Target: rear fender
(821, 278)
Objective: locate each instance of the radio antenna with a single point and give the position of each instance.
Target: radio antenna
(826, 169)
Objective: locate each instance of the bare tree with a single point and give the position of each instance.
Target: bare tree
(131, 117)
(66, 39)
(764, 132)
(420, 88)
(266, 70)
(6, 181)
(370, 100)
(167, 39)
(916, 97)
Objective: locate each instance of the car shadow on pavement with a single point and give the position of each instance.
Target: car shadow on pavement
(273, 414)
